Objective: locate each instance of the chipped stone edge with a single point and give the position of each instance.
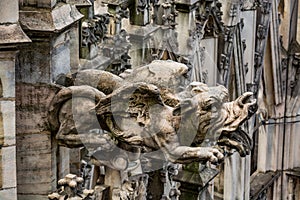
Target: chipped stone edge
(54, 20)
(12, 34)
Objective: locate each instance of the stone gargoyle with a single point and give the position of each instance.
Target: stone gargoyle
(150, 108)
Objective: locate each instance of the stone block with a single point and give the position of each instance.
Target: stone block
(54, 20)
(9, 11)
(228, 7)
(64, 162)
(9, 167)
(60, 56)
(74, 47)
(8, 117)
(32, 104)
(36, 173)
(249, 31)
(29, 144)
(38, 3)
(7, 73)
(12, 34)
(209, 67)
(8, 194)
(39, 176)
(75, 161)
(32, 197)
(186, 2)
(37, 189)
(42, 62)
(34, 63)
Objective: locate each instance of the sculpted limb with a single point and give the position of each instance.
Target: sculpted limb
(203, 154)
(174, 152)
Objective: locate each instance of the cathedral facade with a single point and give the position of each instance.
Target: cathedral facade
(243, 45)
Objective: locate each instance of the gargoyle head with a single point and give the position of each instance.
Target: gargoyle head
(217, 119)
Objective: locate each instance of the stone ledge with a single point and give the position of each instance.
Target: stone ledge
(44, 20)
(261, 181)
(138, 33)
(186, 2)
(12, 34)
(8, 194)
(80, 3)
(31, 197)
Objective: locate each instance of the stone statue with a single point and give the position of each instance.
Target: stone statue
(151, 108)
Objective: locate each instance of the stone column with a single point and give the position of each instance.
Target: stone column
(11, 35)
(140, 12)
(142, 40)
(186, 22)
(194, 181)
(50, 26)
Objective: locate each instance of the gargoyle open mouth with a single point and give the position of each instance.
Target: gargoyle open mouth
(232, 135)
(238, 140)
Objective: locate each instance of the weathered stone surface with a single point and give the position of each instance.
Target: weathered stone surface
(187, 2)
(80, 3)
(60, 56)
(49, 20)
(36, 189)
(36, 143)
(8, 194)
(9, 125)
(36, 152)
(36, 173)
(12, 34)
(32, 102)
(231, 12)
(74, 48)
(9, 11)
(34, 63)
(38, 3)
(7, 73)
(43, 62)
(9, 178)
(209, 68)
(262, 181)
(64, 162)
(71, 189)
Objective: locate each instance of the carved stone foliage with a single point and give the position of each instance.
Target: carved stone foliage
(70, 188)
(94, 30)
(133, 189)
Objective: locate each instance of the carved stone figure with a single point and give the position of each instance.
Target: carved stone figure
(151, 108)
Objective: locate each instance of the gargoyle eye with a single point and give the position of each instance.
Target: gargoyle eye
(211, 106)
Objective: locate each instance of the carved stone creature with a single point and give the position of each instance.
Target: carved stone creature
(151, 109)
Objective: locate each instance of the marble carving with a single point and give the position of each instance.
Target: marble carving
(148, 109)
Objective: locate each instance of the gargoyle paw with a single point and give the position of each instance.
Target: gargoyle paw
(211, 154)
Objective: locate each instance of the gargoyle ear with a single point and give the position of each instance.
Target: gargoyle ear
(183, 107)
(198, 87)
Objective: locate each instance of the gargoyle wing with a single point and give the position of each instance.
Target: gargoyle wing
(129, 102)
(169, 76)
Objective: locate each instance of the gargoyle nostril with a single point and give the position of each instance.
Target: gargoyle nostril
(252, 109)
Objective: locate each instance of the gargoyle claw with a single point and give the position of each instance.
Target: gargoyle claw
(211, 154)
